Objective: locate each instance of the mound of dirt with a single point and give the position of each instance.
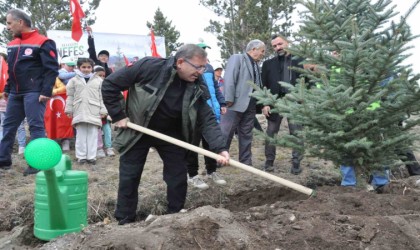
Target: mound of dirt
(203, 227)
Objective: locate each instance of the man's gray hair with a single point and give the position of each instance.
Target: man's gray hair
(188, 51)
(254, 44)
(18, 14)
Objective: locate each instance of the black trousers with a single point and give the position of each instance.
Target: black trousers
(413, 166)
(192, 160)
(273, 128)
(131, 169)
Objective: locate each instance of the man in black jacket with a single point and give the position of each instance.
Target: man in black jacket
(275, 70)
(168, 96)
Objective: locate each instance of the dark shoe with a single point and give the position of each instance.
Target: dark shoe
(384, 189)
(295, 167)
(91, 162)
(268, 168)
(30, 170)
(412, 165)
(295, 170)
(5, 165)
(124, 221)
(413, 169)
(81, 161)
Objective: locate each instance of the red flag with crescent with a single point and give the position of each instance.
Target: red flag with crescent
(57, 123)
(78, 14)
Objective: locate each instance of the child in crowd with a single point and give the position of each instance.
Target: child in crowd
(65, 73)
(21, 136)
(104, 150)
(85, 106)
(67, 69)
(57, 126)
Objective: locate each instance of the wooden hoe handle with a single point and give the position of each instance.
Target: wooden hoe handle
(215, 156)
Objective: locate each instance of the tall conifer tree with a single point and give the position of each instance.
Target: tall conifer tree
(163, 27)
(246, 20)
(355, 105)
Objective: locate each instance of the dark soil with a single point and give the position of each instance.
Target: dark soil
(250, 212)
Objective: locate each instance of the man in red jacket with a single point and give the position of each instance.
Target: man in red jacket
(33, 68)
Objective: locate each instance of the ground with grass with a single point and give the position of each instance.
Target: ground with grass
(250, 212)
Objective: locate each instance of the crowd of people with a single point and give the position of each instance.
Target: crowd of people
(181, 96)
(35, 80)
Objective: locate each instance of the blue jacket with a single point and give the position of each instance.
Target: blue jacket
(65, 76)
(216, 97)
(33, 65)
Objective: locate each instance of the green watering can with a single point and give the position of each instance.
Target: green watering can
(60, 192)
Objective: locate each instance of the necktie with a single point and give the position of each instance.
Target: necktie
(257, 76)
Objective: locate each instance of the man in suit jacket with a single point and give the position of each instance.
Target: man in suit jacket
(275, 70)
(241, 70)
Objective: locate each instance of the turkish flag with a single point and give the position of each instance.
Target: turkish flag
(153, 46)
(57, 123)
(78, 14)
(3, 73)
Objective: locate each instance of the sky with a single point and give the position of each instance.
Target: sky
(131, 16)
(190, 18)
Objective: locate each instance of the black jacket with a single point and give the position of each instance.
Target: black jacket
(272, 73)
(147, 81)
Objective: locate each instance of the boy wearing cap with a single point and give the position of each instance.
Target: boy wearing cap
(66, 72)
(103, 55)
(217, 103)
(218, 70)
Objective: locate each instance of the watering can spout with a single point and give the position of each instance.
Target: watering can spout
(56, 195)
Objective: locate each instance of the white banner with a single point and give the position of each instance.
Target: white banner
(117, 45)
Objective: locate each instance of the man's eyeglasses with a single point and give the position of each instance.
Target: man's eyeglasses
(198, 68)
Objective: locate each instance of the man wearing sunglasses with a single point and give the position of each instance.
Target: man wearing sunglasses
(167, 96)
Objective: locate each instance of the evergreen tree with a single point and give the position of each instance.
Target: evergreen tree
(357, 114)
(164, 28)
(246, 20)
(47, 14)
